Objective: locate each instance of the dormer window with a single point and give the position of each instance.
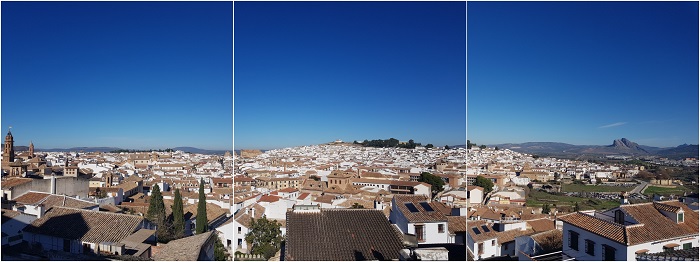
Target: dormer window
(680, 218)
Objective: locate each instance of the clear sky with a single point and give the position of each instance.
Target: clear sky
(583, 72)
(313, 72)
(134, 75)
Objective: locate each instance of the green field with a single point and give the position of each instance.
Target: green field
(665, 191)
(538, 198)
(593, 188)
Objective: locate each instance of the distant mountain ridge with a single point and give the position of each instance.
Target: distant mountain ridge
(619, 147)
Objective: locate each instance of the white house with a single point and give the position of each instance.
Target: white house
(421, 217)
(631, 230)
(475, 195)
(13, 223)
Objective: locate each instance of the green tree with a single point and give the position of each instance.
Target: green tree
(469, 144)
(156, 207)
(202, 224)
(264, 237)
(429, 146)
(435, 182)
(220, 252)
(577, 207)
(482, 146)
(156, 214)
(178, 216)
(545, 209)
(447, 147)
(496, 148)
(486, 183)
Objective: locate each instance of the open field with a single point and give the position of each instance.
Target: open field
(538, 198)
(666, 191)
(594, 188)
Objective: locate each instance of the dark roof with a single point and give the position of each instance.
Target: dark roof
(341, 234)
(85, 225)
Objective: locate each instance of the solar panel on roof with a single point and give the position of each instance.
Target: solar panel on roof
(476, 230)
(426, 206)
(411, 207)
(485, 228)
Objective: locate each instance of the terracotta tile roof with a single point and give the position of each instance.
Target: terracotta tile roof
(288, 190)
(422, 215)
(456, 224)
(244, 219)
(185, 249)
(543, 236)
(510, 235)
(213, 211)
(541, 225)
(303, 196)
(478, 233)
(85, 225)
(665, 207)
(49, 200)
(12, 182)
(8, 214)
(269, 198)
(656, 226)
(607, 229)
(341, 234)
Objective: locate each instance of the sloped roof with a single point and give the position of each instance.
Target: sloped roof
(184, 249)
(421, 214)
(49, 200)
(341, 234)
(652, 224)
(85, 225)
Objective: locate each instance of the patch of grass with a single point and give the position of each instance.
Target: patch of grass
(538, 198)
(665, 190)
(594, 188)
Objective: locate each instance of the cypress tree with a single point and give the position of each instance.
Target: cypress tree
(201, 221)
(156, 207)
(178, 215)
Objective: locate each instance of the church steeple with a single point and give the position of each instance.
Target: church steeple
(31, 149)
(8, 153)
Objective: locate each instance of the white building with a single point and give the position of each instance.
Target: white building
(630, 230)
(421, 217)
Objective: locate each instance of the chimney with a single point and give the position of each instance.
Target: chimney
(53, 184)
(252, 212)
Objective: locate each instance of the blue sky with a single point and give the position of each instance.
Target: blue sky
(312, 72)
(583, 72)
(133, 75)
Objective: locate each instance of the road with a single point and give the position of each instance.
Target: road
(640, 187)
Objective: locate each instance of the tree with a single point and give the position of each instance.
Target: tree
(178, 216)
(156, 214)
(264, 237)
(545, 209)
(486, 183)
(496, 148)
(356, 205)
(156, 207)
(447, 147)
(435, 182)
(482, 146)
(202, 223)
(429, 146)
(220, 252)
(577, 207)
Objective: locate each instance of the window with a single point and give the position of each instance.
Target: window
(573, 240)
(239, 230)
(481, 249)
(619, 217)
(590, 247)
(493, 242)
(687, 246)
(608, 253)
(66, 245)
(441, 228)
(420, 233)
(680, 217)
